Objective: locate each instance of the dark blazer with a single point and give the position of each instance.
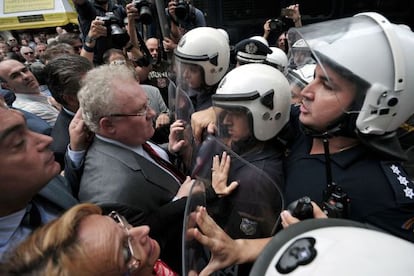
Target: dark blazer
(56, 195)
(60, 135)
(35, 123)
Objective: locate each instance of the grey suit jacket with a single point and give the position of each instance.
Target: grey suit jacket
(119, 179)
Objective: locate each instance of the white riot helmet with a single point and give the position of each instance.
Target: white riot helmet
(277, 59)
(377, 51)
(207, 47)
(322, 247)
(370, 50)
(302, 76)
(263, 91)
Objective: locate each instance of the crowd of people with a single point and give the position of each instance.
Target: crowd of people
(103, 134)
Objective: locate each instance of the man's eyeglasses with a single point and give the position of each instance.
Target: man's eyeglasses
(28, 53)
(131, 261)
(142, 112)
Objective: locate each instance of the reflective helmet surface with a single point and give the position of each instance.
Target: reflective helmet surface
(277, 58)
(207, 47)
(262, 90)
(338, 247)
(377, 52)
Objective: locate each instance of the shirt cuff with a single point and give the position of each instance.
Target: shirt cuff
(76, 157)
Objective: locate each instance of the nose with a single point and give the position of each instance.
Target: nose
(25, 75)
(41, 141)
(307, 90)
(140, 233)
(186, 72)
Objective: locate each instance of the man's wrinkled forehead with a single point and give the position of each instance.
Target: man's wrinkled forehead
(10, 121)
(8, 67)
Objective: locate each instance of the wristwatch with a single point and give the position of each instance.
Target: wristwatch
(89, 39)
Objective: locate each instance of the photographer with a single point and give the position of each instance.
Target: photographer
(182, 17)
(278, 26)
(87, 12)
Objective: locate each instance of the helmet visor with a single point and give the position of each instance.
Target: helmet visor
(347, 68)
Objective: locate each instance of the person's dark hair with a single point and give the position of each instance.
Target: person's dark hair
(110, 52)
(55, 51)
(13, 55)
(37, 68)
(69, 38)
(64, 73)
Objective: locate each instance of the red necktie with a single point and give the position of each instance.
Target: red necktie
(161, 269)
(163, 163)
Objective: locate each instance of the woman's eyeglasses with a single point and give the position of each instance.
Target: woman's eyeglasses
(131, 261)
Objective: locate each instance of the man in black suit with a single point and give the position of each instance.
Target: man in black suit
(63, 76)
(31, 190)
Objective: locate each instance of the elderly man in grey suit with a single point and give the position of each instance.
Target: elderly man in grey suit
(120, 172)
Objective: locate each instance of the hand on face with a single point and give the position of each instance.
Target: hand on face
(80, 136)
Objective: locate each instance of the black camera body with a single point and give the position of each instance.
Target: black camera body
(109, 18)
(277, 25)
(301, 208)
(336, 202)
(116, 34)
(144, 8)
(335, 205)
(182, 9)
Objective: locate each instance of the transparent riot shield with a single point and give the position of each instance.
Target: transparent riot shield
(250, 211)
(194, 255)
(181, 108)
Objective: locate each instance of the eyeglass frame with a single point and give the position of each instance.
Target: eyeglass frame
(139, 113)
(133, 263)
(27, 53)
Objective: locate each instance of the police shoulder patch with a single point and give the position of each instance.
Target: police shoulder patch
(400, 182)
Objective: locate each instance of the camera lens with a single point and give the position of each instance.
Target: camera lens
(144, 10)
(145, 15)
(275, 25)
(181, 10)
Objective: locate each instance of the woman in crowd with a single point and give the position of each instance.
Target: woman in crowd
(84, 242)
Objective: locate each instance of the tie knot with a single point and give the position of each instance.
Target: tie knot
(32, 217)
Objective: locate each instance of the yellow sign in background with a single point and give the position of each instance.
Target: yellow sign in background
(13, 6)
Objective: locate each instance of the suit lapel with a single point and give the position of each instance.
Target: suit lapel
(151, 172)
(57, 193)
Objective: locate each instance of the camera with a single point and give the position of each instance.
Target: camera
(111, 24)
(182, 9)
(276, 25)
(144, 8)
(301, 208)
(116, 34)
(336, 202)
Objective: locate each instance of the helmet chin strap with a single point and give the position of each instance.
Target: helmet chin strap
(343, 126)
(386, 145)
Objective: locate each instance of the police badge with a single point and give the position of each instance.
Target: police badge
(248, 226)
(251, 48)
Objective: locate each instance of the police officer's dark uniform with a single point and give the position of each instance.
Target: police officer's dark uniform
(380, 191)
(251, 211)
